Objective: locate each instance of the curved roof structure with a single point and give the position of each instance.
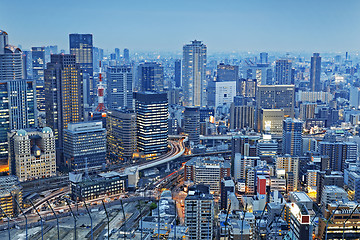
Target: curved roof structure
(21, 132)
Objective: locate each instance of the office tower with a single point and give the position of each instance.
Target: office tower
(119, 87)
(38, 65)
(276, 97)
(32, 154)
(354, 97)
(271, 121)
(262, 73)
(81, 45)
(307, 110)
(121, 135)
(339, 153)
(209, 171)
(27, 64)
(17, 95)
(151, 77)
(327, 178)
(287, 164)
(226, 73)
(194, 74)
(284, 72)
(315, 72)
(246, 88)
(292, 137)
(50, 50)
(117, 54)
(224, 93)
(192, 124)
(264, 57)
(10, 190)
(199, 213)
(97, 57)
(151, 122)
(64, 95)
(178, 73)
(242, 115)
(84, 145)
(126, 55)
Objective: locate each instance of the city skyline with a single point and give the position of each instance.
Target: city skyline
(319, 26)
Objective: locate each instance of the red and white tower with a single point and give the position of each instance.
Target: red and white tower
(101, 89)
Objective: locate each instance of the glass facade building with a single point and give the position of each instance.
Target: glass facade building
(38, 66)
(151, 122)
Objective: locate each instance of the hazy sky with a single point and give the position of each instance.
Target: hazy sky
(162, 25)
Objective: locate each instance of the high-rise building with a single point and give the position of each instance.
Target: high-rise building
(194, 74)
(121, 135)
(261, 73)
(81, 45)
(119, 87)
(10, 192)
(151, 122)
(117, 54)
(178, 73)
(17, 95)
(300, 227)
(284, 72)
(151, 77)
(292, 137)
(226, 72)
(199, 213)
(126, 56)
(192, 124)
(84, 145)
(288, 164)
(264, 57)
(32, 154)
(315, 72)
(242, 115)
(271, 121)
(64, 95)
(327, 178)
(208, 171)
(339, 153)
(38, 66)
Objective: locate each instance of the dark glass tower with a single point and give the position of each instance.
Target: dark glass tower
(315, 72)
(151, 122)
(178, 73)
(292, 137)
(151, 77)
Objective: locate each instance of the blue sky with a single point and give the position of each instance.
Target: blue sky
(228, 25)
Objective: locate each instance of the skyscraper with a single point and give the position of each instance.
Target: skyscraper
(17, 95)
(84, 145)
(121, 135)
(38, 66)
(178, 73)
(264, 57)
(194, 74)
(226, 72)
(292, 137)
(284, 72)
(126, 55)
(151, 122)
(339, 153)
(64, 94)
(315, 72)
(119, 87)
(289, 164)
(192, 124)
(199, 213)
(151, 77)
(82, 46)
